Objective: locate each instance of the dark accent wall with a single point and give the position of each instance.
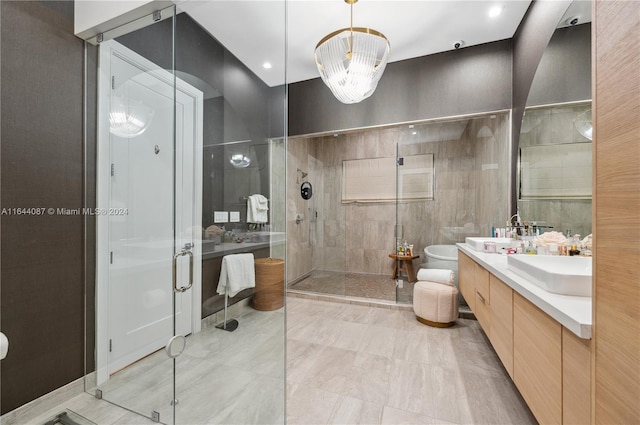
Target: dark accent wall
(42, 302)
(564, 72)
(245, 108)
(242, 107)
(470, 80)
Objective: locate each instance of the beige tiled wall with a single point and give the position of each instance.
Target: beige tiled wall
(359, 237)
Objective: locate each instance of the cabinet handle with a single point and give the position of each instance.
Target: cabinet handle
(481, 297)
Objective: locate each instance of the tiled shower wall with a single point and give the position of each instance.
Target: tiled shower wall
(471, 186)
(471, 195)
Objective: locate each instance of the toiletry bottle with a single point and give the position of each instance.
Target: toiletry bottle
(575, 243)
(405, 248)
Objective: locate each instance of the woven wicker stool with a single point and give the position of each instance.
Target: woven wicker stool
(435, 304)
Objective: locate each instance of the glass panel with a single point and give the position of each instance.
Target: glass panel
(199, 136)
(324, 231)
(232, 370)
(470, 186)
(136, 310)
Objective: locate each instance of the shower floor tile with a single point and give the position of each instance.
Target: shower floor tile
(357, 285)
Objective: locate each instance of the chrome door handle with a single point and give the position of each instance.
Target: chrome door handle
(175, 270)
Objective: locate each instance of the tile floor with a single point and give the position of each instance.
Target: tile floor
(346, 364)
(356, 285)
(351, 364)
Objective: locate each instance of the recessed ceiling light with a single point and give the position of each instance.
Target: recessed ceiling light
(267, 65)
(495, 11)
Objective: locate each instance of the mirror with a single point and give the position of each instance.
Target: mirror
(554, 161)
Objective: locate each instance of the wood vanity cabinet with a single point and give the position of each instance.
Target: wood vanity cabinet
(537, 360)
(473, 281)
(483, 299)
(576, 378)
(502, 321)
(549, 364)
(466, 279)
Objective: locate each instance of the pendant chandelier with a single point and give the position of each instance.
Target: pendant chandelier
(352, 60)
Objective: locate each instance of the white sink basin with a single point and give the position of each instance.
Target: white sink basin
(561, 275)
(478, 243)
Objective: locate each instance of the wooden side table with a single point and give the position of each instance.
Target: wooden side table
(404, 263)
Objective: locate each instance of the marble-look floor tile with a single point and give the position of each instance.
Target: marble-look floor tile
(378, 340)
(331, 370)
(392, 416)
(368, 378)
(444, 386)
(349, 335)
(345, 365)
(301, 357)
(309, 405)
(262, 402)
(506, 405)
(410, 387)
(357, 314)
(352, 411)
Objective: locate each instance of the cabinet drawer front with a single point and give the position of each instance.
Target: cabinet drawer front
(576, 379)
(537, 360)
(482, 283)
(502, 321)
(466, 277)
(483, 313)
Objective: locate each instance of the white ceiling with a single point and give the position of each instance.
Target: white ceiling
(253, 30)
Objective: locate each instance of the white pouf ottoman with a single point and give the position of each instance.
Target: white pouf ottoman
(435, 304)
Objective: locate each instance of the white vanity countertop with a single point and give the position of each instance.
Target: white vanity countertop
(572, 312)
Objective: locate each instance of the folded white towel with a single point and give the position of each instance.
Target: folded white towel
(257, 207)
(237, 273)
(436, 275)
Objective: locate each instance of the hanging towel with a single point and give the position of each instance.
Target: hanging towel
(257, 207)
(436, 275)
(237, 273)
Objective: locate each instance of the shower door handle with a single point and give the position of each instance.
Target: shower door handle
(175, 270)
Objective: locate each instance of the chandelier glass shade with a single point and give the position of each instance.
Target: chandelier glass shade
(351, 61)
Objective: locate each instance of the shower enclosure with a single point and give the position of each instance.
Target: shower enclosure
(426, 183)
(463, 191)
(173, 148)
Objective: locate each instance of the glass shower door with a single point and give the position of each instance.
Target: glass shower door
(147, 137)
(163, 85)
